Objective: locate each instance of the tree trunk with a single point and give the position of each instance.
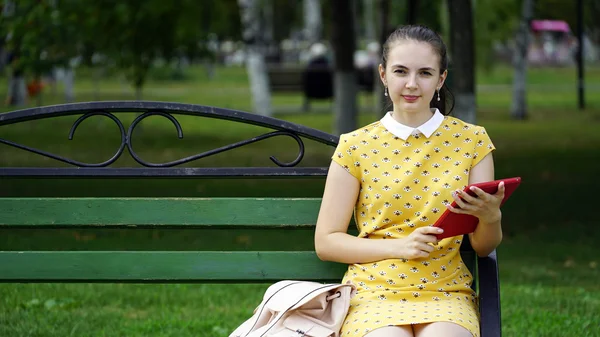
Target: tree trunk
(53, 82)
(412, 12)
(138, 92)
(39, 99)
(252, 25)
(313, 24)
(96, 76)
(3, 57)
(383, 30)
(369, 20)
(344, 81)
(518, 108)
(268, 32)
(68, 81)
(17, 91)
(462, 51)
(125, 85)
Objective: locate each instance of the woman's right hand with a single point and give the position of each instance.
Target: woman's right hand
(420, 243)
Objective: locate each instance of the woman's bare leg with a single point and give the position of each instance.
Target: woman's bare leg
(446, 329)
(392, 331)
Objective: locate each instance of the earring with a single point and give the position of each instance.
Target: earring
(438, 95)
(385, 91)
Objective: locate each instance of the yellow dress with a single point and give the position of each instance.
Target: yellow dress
(405, 184)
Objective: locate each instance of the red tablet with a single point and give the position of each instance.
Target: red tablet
(455, 224)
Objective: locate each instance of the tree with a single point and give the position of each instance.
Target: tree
(344, 81)
(131, 35)
(519, 102)
(496, 21)
(412, 12)
(383, 30)
(424, 12)
(567, 10)
(313, 25)
(462, 51)
(369, 20)
(16, 83)
(39, 41)
(140, 33)
(252, 25)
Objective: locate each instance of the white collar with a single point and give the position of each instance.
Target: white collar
(403, 131)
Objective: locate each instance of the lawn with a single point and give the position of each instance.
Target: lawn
(548, 259)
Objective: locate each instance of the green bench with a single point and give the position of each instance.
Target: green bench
(291, 79)
(221, 239)
(288, 79)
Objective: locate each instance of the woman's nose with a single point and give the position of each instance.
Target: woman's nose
(411, 82)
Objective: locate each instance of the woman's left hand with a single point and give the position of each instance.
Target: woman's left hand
(486, 206)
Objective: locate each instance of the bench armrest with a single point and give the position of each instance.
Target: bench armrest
(489, 296)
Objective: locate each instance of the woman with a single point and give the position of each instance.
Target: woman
(396, 175)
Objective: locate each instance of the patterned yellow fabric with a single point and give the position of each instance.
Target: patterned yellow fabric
(405, 185)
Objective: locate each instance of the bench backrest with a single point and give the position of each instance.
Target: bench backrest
(163, 239)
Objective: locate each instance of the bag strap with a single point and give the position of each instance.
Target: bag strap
(264, 303)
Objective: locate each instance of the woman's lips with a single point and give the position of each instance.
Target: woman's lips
(410, 98)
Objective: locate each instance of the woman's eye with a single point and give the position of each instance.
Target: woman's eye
(427, 73)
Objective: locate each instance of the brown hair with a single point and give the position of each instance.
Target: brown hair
(423, 34)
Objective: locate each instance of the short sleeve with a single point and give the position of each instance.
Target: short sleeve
(483, 146)
(344, 154)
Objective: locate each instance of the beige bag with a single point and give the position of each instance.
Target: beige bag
(299, 308)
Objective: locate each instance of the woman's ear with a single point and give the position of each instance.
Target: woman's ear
(382, 75)
(443, 77)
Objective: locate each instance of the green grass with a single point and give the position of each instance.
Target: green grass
(548, 259)
(125, 310)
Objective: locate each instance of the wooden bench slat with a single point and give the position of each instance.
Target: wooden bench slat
(159, 211)
(210, 238)
(150, 267)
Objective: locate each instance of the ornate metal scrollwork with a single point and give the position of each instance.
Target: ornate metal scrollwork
(127, 140)
(71, 134)
(211, 152)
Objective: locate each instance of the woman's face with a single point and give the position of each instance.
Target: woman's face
(412, 75)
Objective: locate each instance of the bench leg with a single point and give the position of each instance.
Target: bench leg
(489, 296)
